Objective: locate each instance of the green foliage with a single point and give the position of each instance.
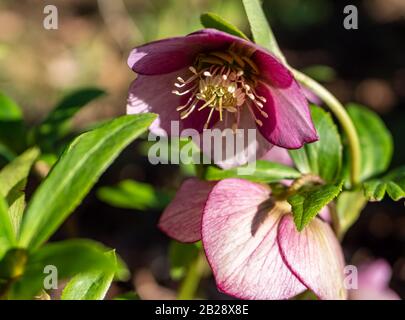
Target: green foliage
(212, 20)
(261, 31)
(92, 285)
(15, 137)
(127, 296)
(57, 122)
(349, 205)
(181, 255)
(7, 235)
(69, 257)
(375, 141)
(392, 183)
(9, 110)
(75, 173)
(12, 129)
(64, 188)
(134, 195)
(324, 157)
(309, 201)
(260, 171)
(13, 179)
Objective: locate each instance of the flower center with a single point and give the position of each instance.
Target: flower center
(225, 83)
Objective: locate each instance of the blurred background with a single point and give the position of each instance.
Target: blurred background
(90, 48)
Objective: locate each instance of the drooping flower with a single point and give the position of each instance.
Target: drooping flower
(251, 242)
(373, 280)
(212, 79)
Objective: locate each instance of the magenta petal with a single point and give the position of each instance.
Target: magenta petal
(239, 239)
(314, 255)
(289, 124)
(171, 54)
(163, 56)
(181, 220)
(272, 70)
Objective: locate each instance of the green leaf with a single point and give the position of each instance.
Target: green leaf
(262, 171)
(181, 255)
(212, 20)
(13, 179)
(69, 257)
(324, 157)
(134, 195)
(12, 264)
(7, 234)
(127, 296)
(375, 140)
(261, 31)
(75, 173)
(91, 285)
(309, 201)
(9, 110)
(57, 123)
(392, 183)
(6, 154)
(12, 128)
(349, 205)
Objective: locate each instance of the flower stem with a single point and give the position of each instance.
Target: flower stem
(339, 111)
(192, 279)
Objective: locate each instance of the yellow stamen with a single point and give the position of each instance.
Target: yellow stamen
(224, 82)
(207, 103)
(209, 119)
(220, 108)
(224, 56)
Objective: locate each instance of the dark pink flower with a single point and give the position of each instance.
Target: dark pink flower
(251, 242)
(212, 79)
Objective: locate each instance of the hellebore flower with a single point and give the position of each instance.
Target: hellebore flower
(212, 79)
(373, 280)
(251, 242)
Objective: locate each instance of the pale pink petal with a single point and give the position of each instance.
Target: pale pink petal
(181, 220)
(154, 94)
(325, 215)
(289, 124)
(370, 294)
(311, 96)
(279, 155)
(239, 238)
(376, 274)
(314, 255)
(373, 281)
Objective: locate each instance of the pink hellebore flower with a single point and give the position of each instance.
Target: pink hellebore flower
(251, 242)
(212, 79)
(373, 280)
